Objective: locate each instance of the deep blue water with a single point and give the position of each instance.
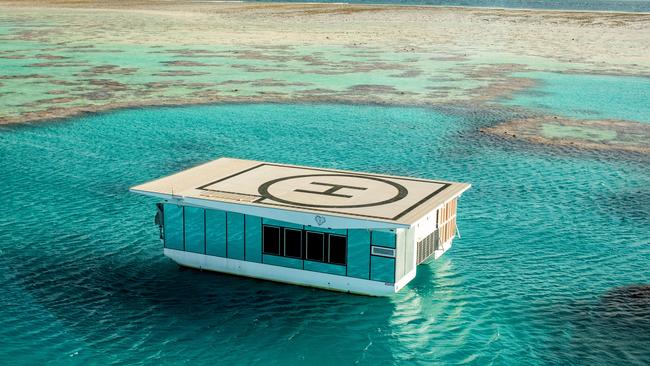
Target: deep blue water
(600, 5)
(552, 241)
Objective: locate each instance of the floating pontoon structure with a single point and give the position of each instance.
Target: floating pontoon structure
(339, 230)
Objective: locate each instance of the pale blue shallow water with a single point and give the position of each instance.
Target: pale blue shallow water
(587, 96)
(550, 241)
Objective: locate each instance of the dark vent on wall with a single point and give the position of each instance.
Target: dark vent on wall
(427, 246)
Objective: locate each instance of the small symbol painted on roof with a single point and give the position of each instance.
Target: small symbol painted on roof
(320, 220)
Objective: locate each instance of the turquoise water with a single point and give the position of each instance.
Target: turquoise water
(551, 242)
(608, 5)
(587, 96)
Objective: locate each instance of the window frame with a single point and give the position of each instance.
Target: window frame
(304, 234)
(376, 250)
(345, 249)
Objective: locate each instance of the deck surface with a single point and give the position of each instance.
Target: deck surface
(336, 192)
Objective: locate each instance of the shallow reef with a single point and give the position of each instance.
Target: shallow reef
(62, 58)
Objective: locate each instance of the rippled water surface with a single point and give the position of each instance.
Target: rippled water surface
(550, 269)
(587, 96)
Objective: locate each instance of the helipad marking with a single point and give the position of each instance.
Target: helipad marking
(364, 193)
(329, 190)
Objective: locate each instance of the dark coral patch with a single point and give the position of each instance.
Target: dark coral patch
(108, 69)
(313, 61)
(98, 95)
(56, 92)
(56, 100)
(50, 57)
(199, 85)
(632, 204)
(449, 58)
(180, 73)
(160, 84)
(408, 74)
(374, 89)
(57, 64)
(627, 136)
(108, 84)
(187, 63)
(276, 83)
(317, 92)
(192, 53)
(62, 82)
(628, 301)
(27, 76)
(208, 94)
(257, 69)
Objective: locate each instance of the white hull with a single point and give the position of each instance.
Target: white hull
(287, 275)
(445, 247)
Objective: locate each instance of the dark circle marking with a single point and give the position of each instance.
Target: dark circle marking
(264, 191)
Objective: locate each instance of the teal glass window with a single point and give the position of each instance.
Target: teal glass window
(194, 230)
(215, 233)
(173, 227)
(235, 242)
(253, 240)
(382, 269)
(359, 253)
(383, 238)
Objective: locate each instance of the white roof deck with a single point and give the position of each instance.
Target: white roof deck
(323, 197)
